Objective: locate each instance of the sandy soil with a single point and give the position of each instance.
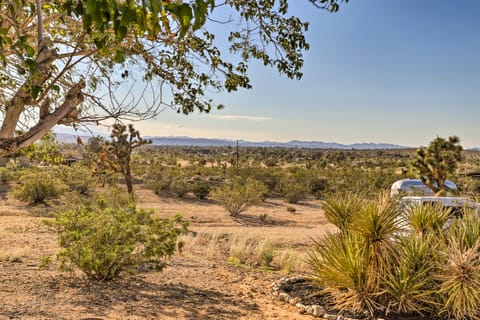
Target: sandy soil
(197, 284)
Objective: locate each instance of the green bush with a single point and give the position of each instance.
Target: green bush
(179, 187)
(105, 242)
(201, 189)
(38, 187)
(76, 177)
(291, 209)
(6, 175)
(237, 196)
(317, 185)
(293, 191)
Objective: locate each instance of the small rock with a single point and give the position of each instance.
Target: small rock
(283, 297)
(330, 316)
(301, 307)
(294, 301)
(309, 309)
(318, 311)
(340, 317)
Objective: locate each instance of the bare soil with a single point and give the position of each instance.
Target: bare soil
(199, 283)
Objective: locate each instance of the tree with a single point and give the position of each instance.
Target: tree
(436, 162)
(74, 61)
(118, 151)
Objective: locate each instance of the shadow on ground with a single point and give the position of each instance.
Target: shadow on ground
(138, 298)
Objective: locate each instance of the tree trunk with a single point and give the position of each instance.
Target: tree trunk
(10, 145)
(128, 177)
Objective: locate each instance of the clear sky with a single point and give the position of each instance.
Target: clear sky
(380, 71)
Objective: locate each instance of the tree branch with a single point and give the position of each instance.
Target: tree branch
(73, 98)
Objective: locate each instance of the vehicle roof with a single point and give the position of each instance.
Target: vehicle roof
(417, 183)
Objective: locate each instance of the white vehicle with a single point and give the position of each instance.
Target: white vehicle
(444, 201)
(415, 187)
(456, 203)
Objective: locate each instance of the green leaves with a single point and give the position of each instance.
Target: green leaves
(149, 16)
(436, 162)
(166, 41)
(105, 240)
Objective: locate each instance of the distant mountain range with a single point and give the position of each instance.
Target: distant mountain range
(206, 142)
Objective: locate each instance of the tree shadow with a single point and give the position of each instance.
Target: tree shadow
(139, 298)
(251, 220)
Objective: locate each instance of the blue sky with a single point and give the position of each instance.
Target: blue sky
(380, 71)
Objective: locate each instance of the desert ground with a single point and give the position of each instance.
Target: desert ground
(201, 282)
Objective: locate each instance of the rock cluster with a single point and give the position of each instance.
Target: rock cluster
(315, 310)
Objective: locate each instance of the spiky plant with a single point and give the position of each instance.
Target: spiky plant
(340, 209)
(410, 286)
(460, 280)
(466, 229)
(376, 222)
(340, 265)
(427, 218)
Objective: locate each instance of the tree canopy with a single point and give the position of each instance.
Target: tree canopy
(63, 61)
(435, 163)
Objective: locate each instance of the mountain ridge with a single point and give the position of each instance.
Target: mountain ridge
(64, 137)
(204, 142)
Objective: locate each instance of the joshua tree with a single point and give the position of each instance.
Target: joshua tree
(118, 151)
(436, 162)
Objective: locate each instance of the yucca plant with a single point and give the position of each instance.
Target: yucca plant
(377, 221)
(423, 219)
(340, 263)
(340, 209)
(460, 280)
(409, 286)
(459, 274)
(466, 229)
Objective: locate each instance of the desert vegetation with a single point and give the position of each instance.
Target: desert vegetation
(255, 210)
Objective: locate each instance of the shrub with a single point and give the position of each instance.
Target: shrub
(291, 209)
(38, 187)
(263, 217)
(317, 185)
(201, 189)
(105, 242)
(240, 249)
(76, 178)
(6, 175)
(293, 191)
(264, 253)
(287, 261)
(239, 195)
(179, 187)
